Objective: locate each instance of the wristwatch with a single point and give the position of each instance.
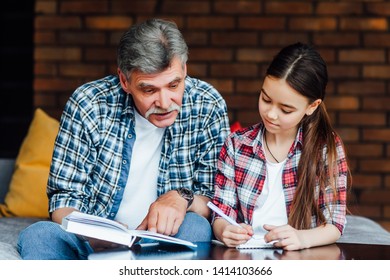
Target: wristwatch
(187, 194)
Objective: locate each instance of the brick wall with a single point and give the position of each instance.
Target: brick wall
(231, 43)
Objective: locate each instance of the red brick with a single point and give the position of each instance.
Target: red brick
(376, 103)
(375, 196)
(337, 9)
(234, 70)
(100, 54)
(252, 86)
(381, 9)
(363, 24)
(185, 7)
(376, 71)
(224, 86)
(55, 84)
(329, 55)
(93, 71)
(248, 117)
(282, 39)
(366, 181)
(90, 6)
(291, 8)
(376, 135)
(57, 54)
(237, 7)
(210, 54)
(241, 102)
(256, 55)
(364, 150)
(261, 23)
(134, 7)
(363, 119)
(368, 88)
(82, 38)
(45, 7)
(44, 38)
(108, 22)
(387, 212)
(366, 210)
(376, 39)
(194, 38)
(348, 134)
(343, 71)
(342, 103)
(362, 55)
(313, 23)
(335, 39)
(57, 22)
(234, 38)
(199, 70)
(45, 69)
(210, 23)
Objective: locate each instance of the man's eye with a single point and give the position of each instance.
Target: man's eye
(174, 85)
(286, 112)
(149, 91)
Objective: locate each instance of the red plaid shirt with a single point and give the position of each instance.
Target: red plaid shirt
(241, 175)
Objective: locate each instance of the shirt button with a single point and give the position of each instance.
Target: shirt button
(124, 161)
(130, 136)
(119, 188)
(112, 214)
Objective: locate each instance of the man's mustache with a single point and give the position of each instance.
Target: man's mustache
(157, 110)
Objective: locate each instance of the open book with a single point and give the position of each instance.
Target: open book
(112, 231)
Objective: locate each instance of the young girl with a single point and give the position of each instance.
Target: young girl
(285, 177)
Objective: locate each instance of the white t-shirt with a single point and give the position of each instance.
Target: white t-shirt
(270, 206)
(141, 187)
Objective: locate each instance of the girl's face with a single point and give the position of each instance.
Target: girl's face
(281, 107)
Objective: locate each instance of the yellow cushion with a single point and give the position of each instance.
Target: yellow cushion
(27, 191)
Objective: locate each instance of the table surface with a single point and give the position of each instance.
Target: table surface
(208, 251)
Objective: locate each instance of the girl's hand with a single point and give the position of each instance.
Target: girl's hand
(231, 235)
(287, 237)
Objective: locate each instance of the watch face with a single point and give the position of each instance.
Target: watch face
(186, 193)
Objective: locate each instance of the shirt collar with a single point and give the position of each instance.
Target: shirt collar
(255, 136)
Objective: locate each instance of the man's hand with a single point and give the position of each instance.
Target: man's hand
(166, 214)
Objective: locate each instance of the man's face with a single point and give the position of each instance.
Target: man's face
(157, 97)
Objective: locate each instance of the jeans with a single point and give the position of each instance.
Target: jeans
(46, 240)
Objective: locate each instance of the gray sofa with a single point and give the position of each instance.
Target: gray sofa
(10, 227)
(358, 229)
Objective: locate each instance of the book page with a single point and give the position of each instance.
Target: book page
(256, 242)
(95, 220)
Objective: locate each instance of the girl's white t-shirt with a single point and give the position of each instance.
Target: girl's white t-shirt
(270, 206)
(141, 187)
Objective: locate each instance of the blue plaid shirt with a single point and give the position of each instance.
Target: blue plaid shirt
(92, 152)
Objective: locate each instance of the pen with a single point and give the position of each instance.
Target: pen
(213, 207)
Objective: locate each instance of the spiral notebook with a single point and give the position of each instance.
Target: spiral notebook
(256, 242)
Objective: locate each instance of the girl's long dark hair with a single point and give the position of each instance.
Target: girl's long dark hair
(305, 71)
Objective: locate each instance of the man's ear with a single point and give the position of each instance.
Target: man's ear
(123, 80)
(313, 106)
